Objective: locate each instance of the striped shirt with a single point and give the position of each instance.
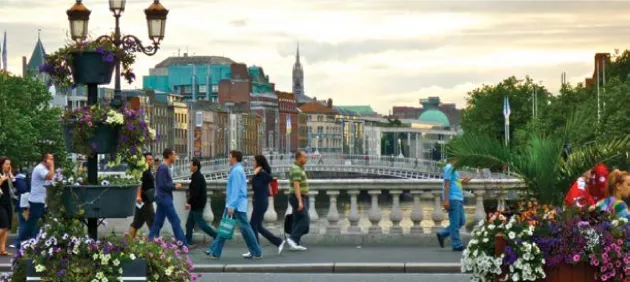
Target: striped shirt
(613, 206)
(297, 174)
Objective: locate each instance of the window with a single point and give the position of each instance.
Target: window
(215, 88)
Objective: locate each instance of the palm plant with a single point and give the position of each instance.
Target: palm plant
(540, 161)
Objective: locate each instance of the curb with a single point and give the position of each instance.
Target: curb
(409, 267)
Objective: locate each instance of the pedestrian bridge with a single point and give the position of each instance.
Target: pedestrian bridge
(392, 167)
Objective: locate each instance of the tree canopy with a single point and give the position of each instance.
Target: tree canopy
(29, 126)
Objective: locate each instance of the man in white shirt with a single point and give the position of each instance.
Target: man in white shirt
(42, 173)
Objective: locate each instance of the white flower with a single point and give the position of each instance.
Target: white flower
(116, 262)
(115, 118)
(491, 226)
(508, 226)
(132, 257)
(105, 183)
(152, 133)
(615, 222)
(40, 268)
(485, 240)
(169, 271)
(512, 235)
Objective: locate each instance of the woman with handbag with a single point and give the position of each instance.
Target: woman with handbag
(6, 211)
(262, 190)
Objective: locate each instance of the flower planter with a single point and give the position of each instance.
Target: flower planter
(91, 68)
(105, 139)
(135, 270)
(581, 272)
(98, 201)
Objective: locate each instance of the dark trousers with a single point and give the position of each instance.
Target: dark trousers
(258, 216)
(301, 219)
(21, 224)
(196, 218)
(166, 209)
(30, 226)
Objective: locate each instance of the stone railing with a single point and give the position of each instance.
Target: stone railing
(425, 195)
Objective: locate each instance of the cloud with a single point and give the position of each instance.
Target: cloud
(239, 23)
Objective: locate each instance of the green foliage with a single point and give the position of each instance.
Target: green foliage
(29, 125)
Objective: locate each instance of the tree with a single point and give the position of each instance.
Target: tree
(28, 124)
(484, 110)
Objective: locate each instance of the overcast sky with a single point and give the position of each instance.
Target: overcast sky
(377, 52)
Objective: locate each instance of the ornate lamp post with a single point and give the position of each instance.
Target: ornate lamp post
(79, 16)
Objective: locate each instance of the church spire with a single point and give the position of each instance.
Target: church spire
(298, 74)
(297, 54)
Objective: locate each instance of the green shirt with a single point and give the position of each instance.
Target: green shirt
(297, 174)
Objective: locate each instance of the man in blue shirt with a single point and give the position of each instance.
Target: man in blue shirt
(164, 198)
(453, 202)
(42, 173)
(236, 206)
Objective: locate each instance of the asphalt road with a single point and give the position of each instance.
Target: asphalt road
(264, 277)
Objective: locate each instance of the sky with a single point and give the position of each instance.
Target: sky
(357, 52)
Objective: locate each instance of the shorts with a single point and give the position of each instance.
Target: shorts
(6, 216)
(145, 214)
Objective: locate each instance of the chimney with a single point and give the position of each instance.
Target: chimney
(329, 103)
(185, 54)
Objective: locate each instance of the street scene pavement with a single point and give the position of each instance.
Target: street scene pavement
(282, 277)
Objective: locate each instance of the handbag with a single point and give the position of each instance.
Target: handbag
(149, 195)
(226, 227)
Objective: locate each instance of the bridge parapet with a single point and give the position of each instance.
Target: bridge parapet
(424, 194)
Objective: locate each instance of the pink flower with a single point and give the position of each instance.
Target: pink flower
(576, 258)
(90, 124)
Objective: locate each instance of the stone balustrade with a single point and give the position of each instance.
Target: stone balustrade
(422, 192)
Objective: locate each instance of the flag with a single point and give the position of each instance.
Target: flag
(506, 108)
(4, 52)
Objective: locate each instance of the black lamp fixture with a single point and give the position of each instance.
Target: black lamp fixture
(79, 17)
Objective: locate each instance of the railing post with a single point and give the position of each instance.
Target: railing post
(208, 216)
(375, 213)
(396, 215)
(417, 214)
(270, 213)
(437, 216)
(289, 207)
(501, 195)
(480, 211)
(354, 216)
(333, 214)
(312, 212)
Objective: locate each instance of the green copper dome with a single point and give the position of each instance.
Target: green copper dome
(434, 117)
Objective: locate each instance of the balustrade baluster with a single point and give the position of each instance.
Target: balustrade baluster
(289, 207)
(480, 210)
(375, 213)
(417, 214)
(333, 214)
(208, 215)
(501, 195)
(312, 212)
(250, 205)
(396, 215)
(270, 213)
(354, 216)
(438, 215)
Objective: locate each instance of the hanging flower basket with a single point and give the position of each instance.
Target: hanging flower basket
(104, 140)
(95, 201)
(92, 67)
(132, 270)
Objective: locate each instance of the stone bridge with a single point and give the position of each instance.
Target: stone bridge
(391, 167)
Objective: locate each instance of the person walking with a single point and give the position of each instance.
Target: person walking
(6, 210)
(260, 184)
(236, 206)
(197, 198)
(453, 202)
(164, 198)
(298, 199)
(21, 187)
(42, 173)
(144, 199)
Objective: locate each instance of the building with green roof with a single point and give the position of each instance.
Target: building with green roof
(434, 117)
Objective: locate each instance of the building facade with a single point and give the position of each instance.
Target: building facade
(264, 103)
(289, 128)
(324, 132)
(302, 126)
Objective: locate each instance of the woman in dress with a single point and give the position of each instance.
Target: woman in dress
(6, 212)
(260, 182)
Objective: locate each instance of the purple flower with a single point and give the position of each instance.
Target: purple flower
(61, 272)
(109, 58)
(100, 50)
(510, 256)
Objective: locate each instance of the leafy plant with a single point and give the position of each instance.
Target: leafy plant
(540, 162)
(57, 65)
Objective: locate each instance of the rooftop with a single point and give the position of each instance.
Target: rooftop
(358, 110)
(315, 107)
(195, 60)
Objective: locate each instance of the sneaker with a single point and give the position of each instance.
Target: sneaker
(12, 246)
(291, 243)
(440, 240)
(458, 249)
(210, 254)
(281, 247)
(299, 248)
(250, 256)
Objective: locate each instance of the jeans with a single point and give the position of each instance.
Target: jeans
(248, 234)
(258, 215)
(166, 209)
(21, 224)
(301, 219)
(457, 219)
(30, 226)
(196, 218)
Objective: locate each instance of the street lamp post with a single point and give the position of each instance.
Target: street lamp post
(78, 17)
